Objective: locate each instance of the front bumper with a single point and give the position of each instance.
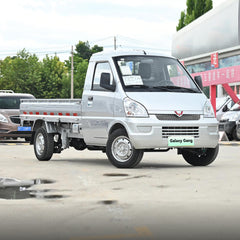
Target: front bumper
(150, 133)
(12, 131)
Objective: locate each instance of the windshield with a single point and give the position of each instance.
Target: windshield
(235, 107)
(220, 102)
(152, 73)
(11, 102)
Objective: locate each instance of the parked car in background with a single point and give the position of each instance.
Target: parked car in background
(230, 122)
(9, 115)
(223, 104)
(238, 129)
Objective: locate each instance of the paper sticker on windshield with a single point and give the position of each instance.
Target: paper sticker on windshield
(126, 70)
(132, 80)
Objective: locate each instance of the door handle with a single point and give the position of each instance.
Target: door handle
(90, 98)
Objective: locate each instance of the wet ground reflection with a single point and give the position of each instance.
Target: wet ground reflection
(11, 188)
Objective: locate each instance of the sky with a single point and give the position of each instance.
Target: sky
(53, 26)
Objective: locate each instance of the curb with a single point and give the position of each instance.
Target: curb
(13, 144)
(225, 143)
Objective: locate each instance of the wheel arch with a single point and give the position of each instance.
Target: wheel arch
(50, 126)
(115, 127)
(38, 124)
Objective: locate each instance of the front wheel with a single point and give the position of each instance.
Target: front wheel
(201, 156)
(43, 144)
(121, 152)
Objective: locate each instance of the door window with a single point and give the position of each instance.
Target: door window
(102, 67)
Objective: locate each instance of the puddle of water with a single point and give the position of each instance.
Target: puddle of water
(116, 175)
(11, 188)
(108, 202)
(162, 186)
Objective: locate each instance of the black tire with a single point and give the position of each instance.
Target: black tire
(236, 134)
(230, 136)
(43, 144)
(121, 152)
(201, 156)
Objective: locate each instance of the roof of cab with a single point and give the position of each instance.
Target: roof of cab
(124, 52)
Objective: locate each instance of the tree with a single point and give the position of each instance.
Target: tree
(79, 74)
(195, 9)
(199, 9)
(208, 5)
(84, 51)
(53, 74)
(181, 23)
(49, 78)
(190, 6)
(96, 49)
(21, 73)
(81, 57)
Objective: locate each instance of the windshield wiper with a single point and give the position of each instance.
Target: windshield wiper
(181, 89)
(136, 86)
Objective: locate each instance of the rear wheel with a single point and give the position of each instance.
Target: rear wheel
(121, 152)
(201, 156)
(43, 144)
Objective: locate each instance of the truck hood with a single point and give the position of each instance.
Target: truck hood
(166, 102)
(10, 112)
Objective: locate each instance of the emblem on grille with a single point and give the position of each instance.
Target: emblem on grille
(179, 114)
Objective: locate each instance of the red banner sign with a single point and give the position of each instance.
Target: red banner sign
(214, 60)
(219, 76)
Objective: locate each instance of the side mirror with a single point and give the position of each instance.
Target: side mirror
(105, 82)
(198, 80)
(225, 108)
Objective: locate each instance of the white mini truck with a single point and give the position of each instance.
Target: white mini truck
(133, 102)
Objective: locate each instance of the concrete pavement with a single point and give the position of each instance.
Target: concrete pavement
(163, 198)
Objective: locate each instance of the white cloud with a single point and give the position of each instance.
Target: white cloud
(137, 3)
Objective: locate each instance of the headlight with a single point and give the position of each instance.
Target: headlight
(3, 119)
(208, 110)
(134, 109)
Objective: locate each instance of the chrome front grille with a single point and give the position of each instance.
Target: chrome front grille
(180, 131)
(173, 117)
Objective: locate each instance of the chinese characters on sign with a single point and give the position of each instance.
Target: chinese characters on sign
(214, 60)
(219, 76)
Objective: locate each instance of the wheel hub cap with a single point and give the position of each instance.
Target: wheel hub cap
(40, 144)
(122, 149)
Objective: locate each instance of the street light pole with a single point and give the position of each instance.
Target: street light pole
(115, 43)
(72, 68)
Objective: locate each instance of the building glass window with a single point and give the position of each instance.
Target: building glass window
(229, 61)
(206, 66)
(200, 67)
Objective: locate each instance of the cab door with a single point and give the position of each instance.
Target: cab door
(98, 107)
